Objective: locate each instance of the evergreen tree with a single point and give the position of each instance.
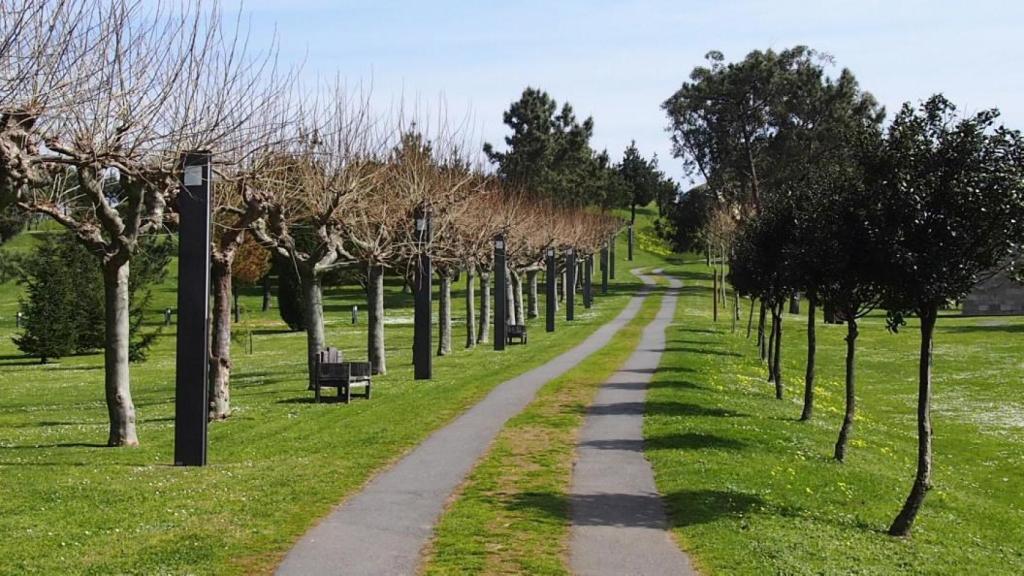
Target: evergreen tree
(51, 324)
(641, 178)
(289, 295)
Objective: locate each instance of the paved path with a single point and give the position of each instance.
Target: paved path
(618, 519)
(382, 529)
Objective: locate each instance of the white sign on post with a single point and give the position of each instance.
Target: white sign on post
(193, 175)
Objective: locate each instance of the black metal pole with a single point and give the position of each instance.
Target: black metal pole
(550, 290)
(423, 360)
(630, 243)
(611, 257)
(604, 269)
(588, 272)
(500, 293)
(570, 284)
(191, 405)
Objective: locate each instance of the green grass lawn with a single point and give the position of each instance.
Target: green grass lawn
(753, 491)
(69, 505)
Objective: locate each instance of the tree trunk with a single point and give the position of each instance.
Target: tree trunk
(904, 522)
(510, 300)
(762, 348)
(714, 294)
(735, 310)
(750, 319)
(220, 340)
(771, 348)
(777, 358)
(632, 213)
(444, 315)
(851, 380)
(470, 308)
(812, 348)
(266, 293)
(315, 339)
(115, 357)
(531, 281)
(485, 307)
(375, 349)
(517, 296)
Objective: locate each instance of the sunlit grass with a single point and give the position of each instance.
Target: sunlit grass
(759, 493)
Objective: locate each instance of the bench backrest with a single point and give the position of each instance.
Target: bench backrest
(359, 369)
(329, 356)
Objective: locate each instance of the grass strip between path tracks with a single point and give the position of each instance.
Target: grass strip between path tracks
(511, 516)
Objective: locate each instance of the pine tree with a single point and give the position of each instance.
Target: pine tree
(51, 326)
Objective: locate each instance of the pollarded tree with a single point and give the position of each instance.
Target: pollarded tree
(334, 157)
(954, 205)
(105, 103)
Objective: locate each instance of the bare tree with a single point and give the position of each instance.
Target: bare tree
(100, 126)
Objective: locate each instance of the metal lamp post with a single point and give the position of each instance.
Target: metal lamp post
(422, 334)
(192, 360)
(500, 297)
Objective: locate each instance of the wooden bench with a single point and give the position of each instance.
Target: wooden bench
(516, 331)
(330, 372)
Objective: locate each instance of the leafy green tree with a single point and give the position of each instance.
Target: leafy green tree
(749, 128)
(290, 302)
(759, 269)
(954, 205)
(685, 220)
(12, 221)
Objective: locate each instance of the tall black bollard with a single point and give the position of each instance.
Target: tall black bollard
(423, 360)
(500, 296)
(630, 254)
(588, 273)
(550, 298)
(611, 257)
(604, 269)
(570, 284)
(191, 405)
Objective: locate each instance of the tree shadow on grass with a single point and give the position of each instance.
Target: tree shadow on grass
(687, 441)
(710, 351)
(692, 507)
(975, 328)
(659, 408)
(56, 445)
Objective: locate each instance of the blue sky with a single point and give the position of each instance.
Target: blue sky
(617, 61)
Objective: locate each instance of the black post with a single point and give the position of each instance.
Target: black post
(191, 406)
(422, 333)
(500, 293)
(604, 269)
(549, 287)
(588, 273)
(570, 284)
(611, 257)
(631, 239)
